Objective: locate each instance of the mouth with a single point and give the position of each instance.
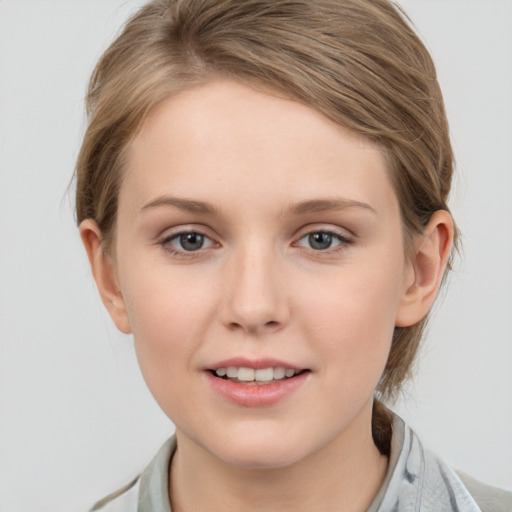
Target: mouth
(256, 382)
(256, 376)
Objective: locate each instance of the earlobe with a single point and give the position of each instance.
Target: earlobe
(105, 274)
(432, 250)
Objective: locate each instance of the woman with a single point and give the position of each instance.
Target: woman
(262, 193)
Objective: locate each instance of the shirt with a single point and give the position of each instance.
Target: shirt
(416, 481)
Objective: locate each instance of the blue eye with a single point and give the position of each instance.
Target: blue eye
(322, 240)
(189, 241)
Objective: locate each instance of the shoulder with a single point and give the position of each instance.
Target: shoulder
(418, 479)
(489, 499)
(149, 491)
(122, 500)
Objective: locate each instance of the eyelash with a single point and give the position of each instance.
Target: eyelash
(183, 253)
(343, 242)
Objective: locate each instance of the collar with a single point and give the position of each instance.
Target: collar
(416, 480)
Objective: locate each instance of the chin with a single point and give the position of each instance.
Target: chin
(256, 459)
(263, 450)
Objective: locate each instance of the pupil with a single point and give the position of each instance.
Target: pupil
(191, 241)
(320, 240)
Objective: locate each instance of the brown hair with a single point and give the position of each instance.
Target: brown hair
(357, 61)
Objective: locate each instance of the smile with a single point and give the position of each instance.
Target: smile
(255, 376)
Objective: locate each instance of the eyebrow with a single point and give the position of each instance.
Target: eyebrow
(188, 205)
(320, 205)
(301, 208)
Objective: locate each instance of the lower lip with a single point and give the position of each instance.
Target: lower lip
(256, 395)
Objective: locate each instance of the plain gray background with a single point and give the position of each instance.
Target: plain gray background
(76, 420)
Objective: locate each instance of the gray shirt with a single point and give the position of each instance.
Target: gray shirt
(416, 481)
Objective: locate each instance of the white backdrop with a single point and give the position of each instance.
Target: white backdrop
(75, 418)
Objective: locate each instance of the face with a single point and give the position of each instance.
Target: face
(257, 238)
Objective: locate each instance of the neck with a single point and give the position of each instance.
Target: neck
(346, 474)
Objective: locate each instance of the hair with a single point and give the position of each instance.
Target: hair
(358, 62)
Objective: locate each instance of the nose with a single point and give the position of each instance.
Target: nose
(255, 295)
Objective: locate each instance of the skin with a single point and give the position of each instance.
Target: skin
(272, 172)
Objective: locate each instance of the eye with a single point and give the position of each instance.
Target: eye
(322, 240)
(191, 241)
(187, 241)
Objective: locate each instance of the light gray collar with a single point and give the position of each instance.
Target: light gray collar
(416, 480)
(154, 481)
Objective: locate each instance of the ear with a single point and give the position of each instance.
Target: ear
(105, 274)
(432, 250)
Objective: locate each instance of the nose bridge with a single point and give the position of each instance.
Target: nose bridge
(255, 296)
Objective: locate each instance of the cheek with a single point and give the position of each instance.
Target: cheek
(167, 314)
(353, 318)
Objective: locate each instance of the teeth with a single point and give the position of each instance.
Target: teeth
(232, 372)
(279, 373)
(246, 374)
(264, 374)
(260, 375)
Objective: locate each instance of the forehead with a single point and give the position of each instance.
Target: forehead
(223, 138)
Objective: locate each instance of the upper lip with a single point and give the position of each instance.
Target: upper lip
(258, 363)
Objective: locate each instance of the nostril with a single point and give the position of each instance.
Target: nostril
(235, 325)
(271, 325)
